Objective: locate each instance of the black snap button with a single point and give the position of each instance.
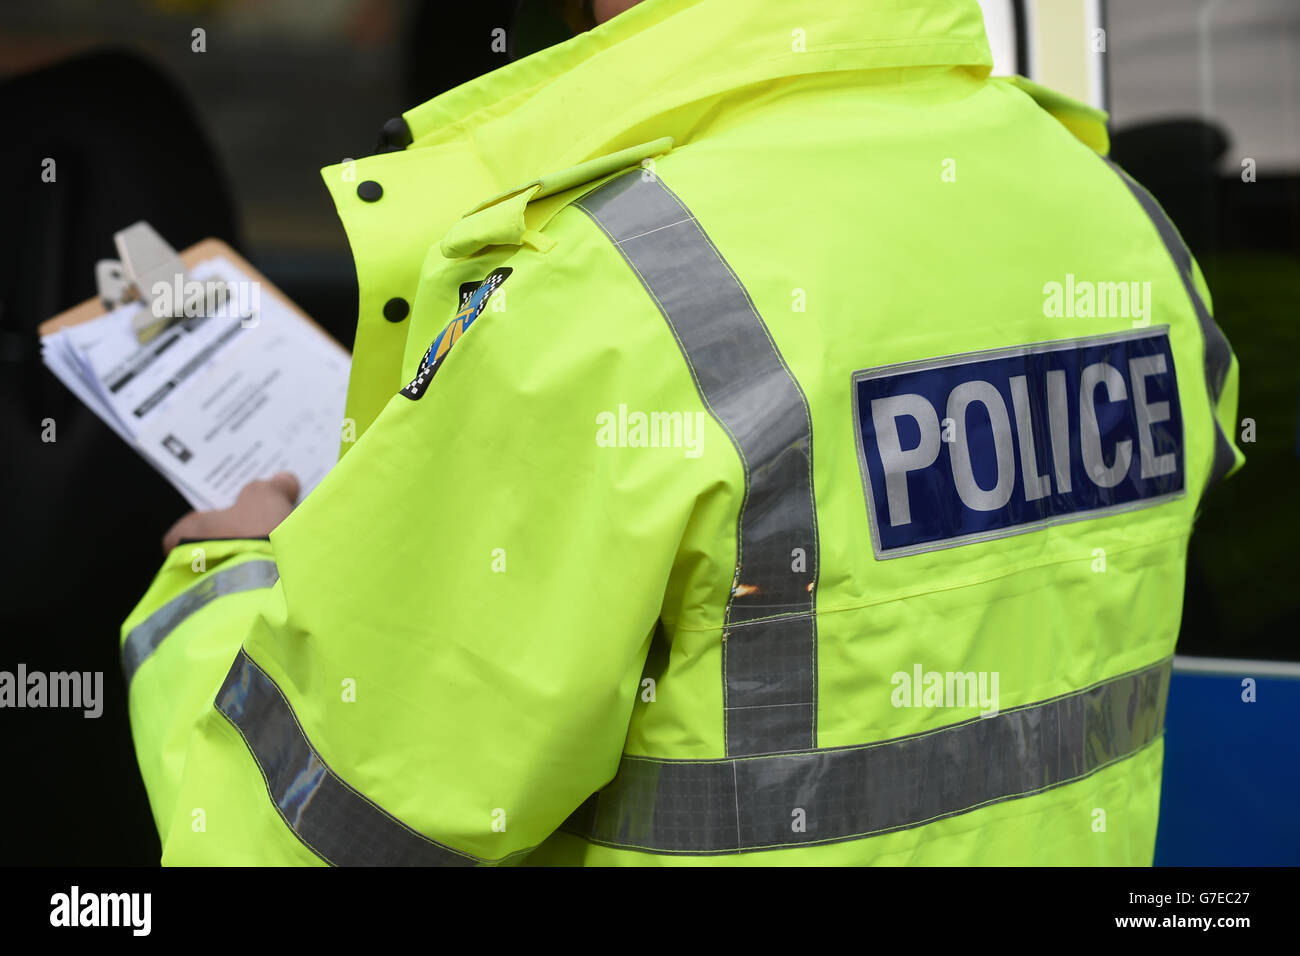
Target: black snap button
(396, 309)
(395, 135)
(370, 190)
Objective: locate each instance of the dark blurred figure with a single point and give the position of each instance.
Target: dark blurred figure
(126, 147)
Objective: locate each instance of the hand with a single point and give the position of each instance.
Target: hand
(260, 507)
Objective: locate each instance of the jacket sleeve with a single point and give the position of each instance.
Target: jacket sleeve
(1221, 369)
(177, 644)
(1225, 406)
(447, 665)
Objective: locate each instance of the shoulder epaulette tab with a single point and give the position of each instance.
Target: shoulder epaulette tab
(1087, 123)
(501, 220)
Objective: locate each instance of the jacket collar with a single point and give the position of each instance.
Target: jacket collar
(664, 54)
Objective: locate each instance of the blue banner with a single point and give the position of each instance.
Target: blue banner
(987, 444)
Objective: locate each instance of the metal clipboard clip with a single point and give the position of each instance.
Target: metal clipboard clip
(150, 271)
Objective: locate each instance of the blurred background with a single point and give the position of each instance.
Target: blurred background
(228, 141)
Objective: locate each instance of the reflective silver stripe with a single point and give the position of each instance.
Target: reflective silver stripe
(740, 805)
(1218, 354)
(770, 629)
(145, 638)
(335, 822)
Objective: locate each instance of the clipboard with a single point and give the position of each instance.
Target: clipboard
(277, 414)
(210, 248)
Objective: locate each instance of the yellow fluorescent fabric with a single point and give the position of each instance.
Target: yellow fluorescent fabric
(500, 598)
(178, 677)
(659, 69)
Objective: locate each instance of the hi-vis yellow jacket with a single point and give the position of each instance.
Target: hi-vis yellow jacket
(790, 457)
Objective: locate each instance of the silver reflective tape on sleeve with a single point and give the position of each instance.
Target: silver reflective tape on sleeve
(146, 637)
(770, 629)
(743, 805)
(1218, 354)
(334, 821)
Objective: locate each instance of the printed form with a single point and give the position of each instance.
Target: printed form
(217, 400)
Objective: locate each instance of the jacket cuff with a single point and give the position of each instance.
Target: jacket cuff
(187, 564)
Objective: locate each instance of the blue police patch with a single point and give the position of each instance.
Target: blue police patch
(988, 444)
(473, 300)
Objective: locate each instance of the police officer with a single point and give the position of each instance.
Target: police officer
(731, 483)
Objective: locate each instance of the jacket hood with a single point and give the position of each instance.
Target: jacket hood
(661, 69)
